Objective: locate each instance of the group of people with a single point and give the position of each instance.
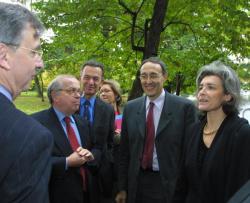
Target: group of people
(85, 149)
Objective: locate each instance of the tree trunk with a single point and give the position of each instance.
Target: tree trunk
(152, 41)
(39, 88)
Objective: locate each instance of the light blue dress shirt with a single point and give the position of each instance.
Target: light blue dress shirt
(61, 117)
(91, 107)
(5, 92)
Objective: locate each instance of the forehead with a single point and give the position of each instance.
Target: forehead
(150, 67)
(90, 70)
(211, 79)
(69, 82)
(30, 37)
(105, 86)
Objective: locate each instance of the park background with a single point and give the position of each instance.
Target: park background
(185, 34)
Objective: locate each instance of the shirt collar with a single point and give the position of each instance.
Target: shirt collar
(5, 92)
(61, 115)
(158, 102)
(91, 100)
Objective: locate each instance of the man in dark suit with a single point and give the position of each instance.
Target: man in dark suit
(101, 120)
(67, 178)
(25, 144)
(153, 132)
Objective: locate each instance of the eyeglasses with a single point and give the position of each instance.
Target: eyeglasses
(33, 53)
(71, 91)
(105, 91)
(151, 76)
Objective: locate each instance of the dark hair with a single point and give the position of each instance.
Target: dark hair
(94, 64)
(156, 60)
(230, 83)
(13, 20)
(114, 85)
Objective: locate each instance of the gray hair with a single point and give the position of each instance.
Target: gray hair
(13, 20)
(56, 85)
(230, 83)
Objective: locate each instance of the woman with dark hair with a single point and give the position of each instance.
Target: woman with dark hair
(216, 156)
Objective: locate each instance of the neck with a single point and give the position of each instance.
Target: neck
(214, 119)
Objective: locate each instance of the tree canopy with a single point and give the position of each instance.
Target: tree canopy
(118, 33)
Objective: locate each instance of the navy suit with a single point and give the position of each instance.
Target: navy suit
(102, 132)
(25, 156)
(177, 114)
(65, 185)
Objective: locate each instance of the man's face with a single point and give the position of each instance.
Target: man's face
(24, 61)
(91, 79)
(152, 79)
(67, 100)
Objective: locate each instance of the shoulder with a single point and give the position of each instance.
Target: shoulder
(41, 114)
(99, 103)
(135, 102)
(178, 99)
(242, 127)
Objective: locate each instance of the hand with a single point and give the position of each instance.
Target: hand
(121, 197)
(85, 153)
(75, 160)
(118, 131)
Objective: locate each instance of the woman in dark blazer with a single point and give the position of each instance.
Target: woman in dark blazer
(216, 161)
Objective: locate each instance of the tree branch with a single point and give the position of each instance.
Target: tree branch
(192, 30)
(117, 33)
(121, 3)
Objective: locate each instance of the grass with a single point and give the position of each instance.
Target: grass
(29, 103)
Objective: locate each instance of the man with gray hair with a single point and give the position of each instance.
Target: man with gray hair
(25, 144)
(72, 158)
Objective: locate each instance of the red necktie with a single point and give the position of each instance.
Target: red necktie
(74, 145)
(147, 158)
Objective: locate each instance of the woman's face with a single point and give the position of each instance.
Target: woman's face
(210, 95)
(107, 94)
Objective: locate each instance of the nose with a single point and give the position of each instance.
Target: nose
(77, 95)
(39, 63)
(202, 90)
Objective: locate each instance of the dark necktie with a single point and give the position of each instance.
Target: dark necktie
(147, 158)
(86, 113)
(74, 145)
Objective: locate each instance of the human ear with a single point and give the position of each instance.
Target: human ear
(228, 97)
(4, 57)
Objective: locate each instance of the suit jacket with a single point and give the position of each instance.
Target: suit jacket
(25, 156)
(176, 115)
(65, 185)
(102, 133)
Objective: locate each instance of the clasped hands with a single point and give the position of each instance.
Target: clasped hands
(79, 157)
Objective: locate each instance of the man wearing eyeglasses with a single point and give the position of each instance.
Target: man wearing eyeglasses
(101, 120)
(71, 154)
(153, 131)
(25, 144)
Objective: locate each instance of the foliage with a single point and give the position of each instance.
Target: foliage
(195, 32)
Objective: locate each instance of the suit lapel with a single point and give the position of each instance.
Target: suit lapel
(60, 137)
(141, 117)
(166, 116)
(83, 132)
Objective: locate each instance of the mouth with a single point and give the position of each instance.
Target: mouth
(149, 87)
